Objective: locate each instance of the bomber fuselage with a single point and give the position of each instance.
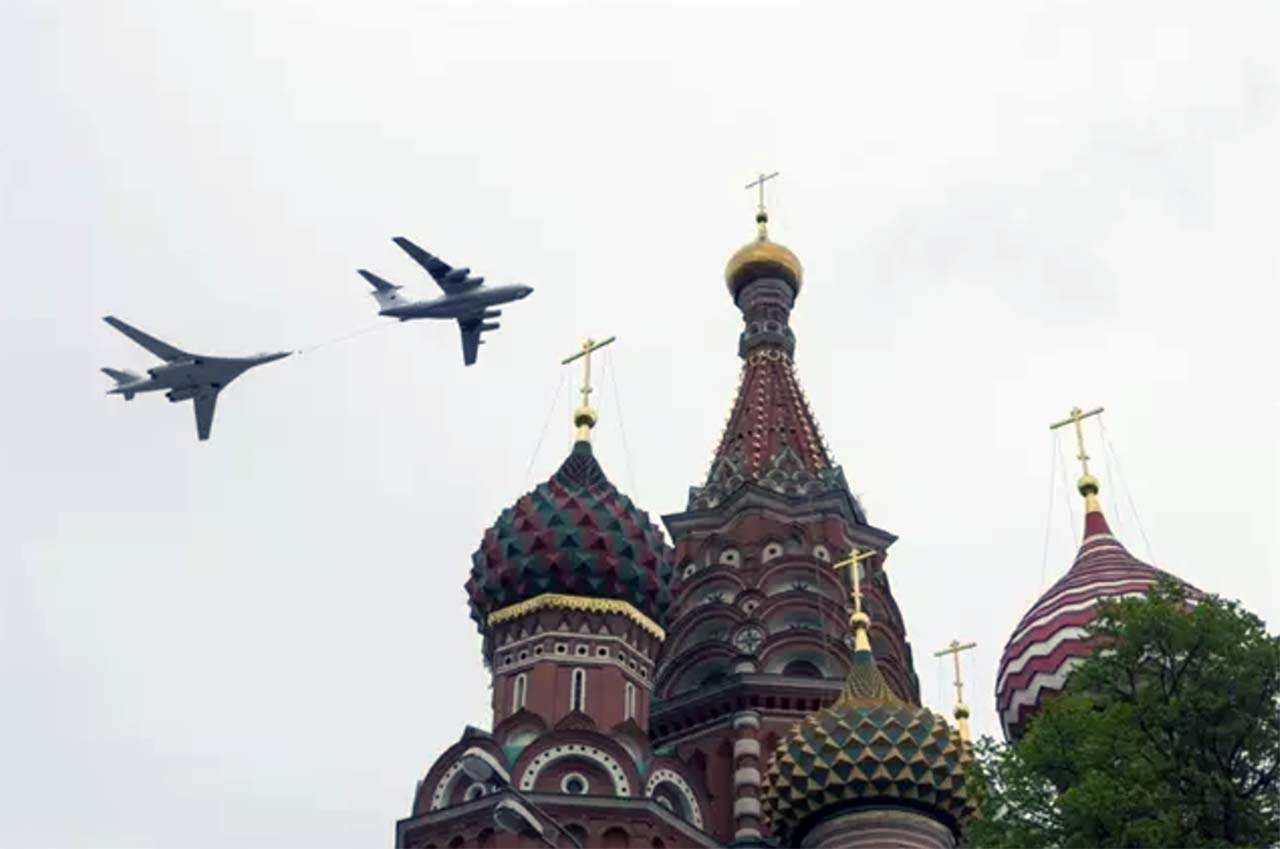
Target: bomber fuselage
(186, 376)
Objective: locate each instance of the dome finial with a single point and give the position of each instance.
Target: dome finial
(585, 418)
(1088, 484)
(762, 214)
(961, 709)
(859, 622)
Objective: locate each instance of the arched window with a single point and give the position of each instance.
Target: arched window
(578, 690)
(629, 699)
(616, 838)
(802, 669)
(518, 692)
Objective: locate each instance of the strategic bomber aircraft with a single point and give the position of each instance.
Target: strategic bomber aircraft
(188, 377)
(466, 298)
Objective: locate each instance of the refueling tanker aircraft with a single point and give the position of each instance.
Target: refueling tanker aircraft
(465, 299)
(188, 377)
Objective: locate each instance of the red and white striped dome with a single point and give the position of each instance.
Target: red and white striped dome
(1051, 640)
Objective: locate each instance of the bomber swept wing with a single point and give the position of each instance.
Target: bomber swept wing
(163, 350)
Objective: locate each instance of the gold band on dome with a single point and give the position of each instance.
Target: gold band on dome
(577, 602)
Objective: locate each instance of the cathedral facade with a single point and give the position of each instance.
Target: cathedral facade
(710, 692)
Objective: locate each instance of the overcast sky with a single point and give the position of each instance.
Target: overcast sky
(1003, 211)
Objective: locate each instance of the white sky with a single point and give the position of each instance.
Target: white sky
(1003, 210)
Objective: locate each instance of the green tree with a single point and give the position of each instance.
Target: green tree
(1168, 735)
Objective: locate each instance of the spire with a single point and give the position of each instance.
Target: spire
(585, 418)
(1094, 522)
(961, 709)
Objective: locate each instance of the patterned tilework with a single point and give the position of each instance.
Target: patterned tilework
(1051, 639)
(771, 438)
(576, 534)
(868, 747)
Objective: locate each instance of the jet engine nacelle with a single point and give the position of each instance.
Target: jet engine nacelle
(185, 393)
(457, 275)
(175, 365)
(488, 326)
(476, 281)
(491, 313)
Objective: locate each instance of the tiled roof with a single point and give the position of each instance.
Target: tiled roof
(575, 535)
(771, 438)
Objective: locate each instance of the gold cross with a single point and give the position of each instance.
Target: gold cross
(855, 557)
(759, 182)
(954, 650)
(585, 417)
(1076, 417)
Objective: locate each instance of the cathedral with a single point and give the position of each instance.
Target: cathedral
(749, 683)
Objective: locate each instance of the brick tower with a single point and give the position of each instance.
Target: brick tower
(758, 635)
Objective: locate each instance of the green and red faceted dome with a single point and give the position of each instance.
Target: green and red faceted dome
(574, 535)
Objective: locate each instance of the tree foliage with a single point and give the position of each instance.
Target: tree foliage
(1168, 735)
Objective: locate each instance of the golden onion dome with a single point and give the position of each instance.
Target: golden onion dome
(762, 258)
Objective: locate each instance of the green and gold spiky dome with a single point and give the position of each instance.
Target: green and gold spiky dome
(869, 747)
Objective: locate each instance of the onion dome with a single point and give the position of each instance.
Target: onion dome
(575, 535)
(869, 748)
(762, 258)
(1052, 638)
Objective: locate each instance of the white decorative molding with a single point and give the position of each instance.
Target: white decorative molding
(676, 780)
(601, 758)
(746, 719)
(748, 775)
(746, 808)
(444, 785)
(745, 748)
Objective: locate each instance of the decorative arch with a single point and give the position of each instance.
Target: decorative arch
(674, 779)
(802, 667)
(696, 674)
(702, 629)
(808, 651)
(594, 754)
(675, 676)
(445, 786)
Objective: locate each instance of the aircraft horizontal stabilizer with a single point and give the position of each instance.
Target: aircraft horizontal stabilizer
(121, 376)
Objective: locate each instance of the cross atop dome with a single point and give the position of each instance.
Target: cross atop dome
(762, 214)
(585, 417)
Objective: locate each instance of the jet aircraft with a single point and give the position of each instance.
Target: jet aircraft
(187, 377)
(465, 299)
